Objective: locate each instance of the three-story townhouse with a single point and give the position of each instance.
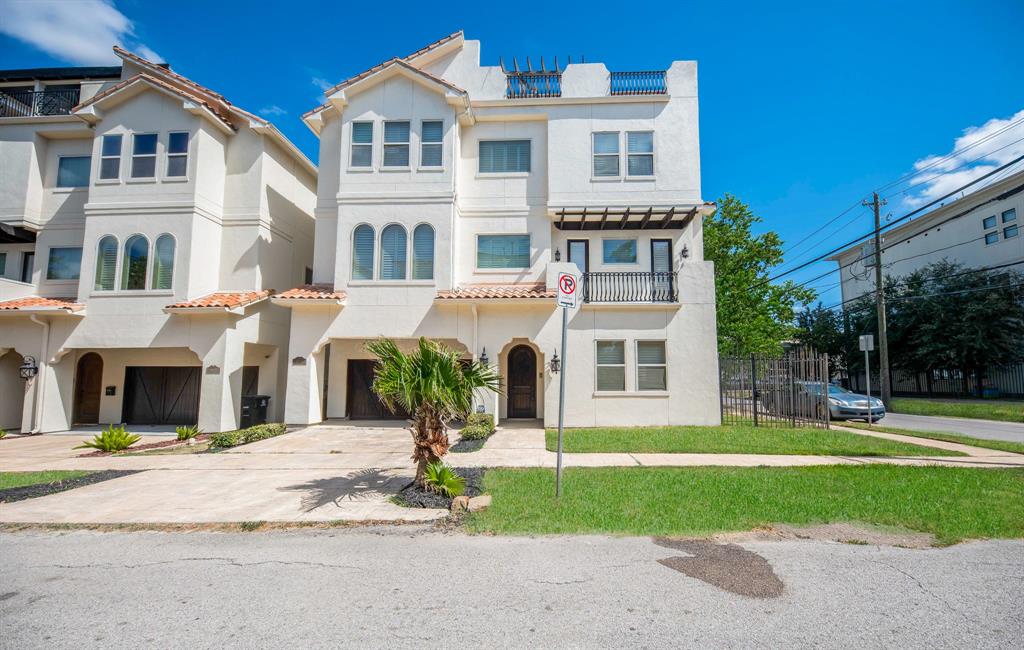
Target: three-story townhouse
(451, 195)
(144, 222)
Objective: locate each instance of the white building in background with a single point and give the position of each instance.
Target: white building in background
(980, 230)
(144, 222)
(450, 196)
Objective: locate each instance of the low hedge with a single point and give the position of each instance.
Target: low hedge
(245, 436)
(478, 426)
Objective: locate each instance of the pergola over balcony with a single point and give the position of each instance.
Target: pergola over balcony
(672, 217)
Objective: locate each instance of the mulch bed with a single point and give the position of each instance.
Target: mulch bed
(42, 489)
(467, 446)
(170, 442)
(413, 497)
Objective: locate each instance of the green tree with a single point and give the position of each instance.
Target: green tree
(434, 385)
(822, 329)
(754, 316)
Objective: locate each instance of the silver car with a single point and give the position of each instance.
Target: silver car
(845, 405)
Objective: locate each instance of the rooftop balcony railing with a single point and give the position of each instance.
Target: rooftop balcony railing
(533, 84)
(32, 103)
(630, 287)
(648, 82)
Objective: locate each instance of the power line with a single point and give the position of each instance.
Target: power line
(958, 167)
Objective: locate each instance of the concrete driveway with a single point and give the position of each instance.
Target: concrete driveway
(987, 429)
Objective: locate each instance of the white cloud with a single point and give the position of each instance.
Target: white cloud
(79, 31)
(322, 83)
(996, 142)
(273, 110)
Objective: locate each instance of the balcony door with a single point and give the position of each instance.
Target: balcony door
(579, 252)
(661, 269)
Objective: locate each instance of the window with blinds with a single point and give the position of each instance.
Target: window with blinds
(503, 251)
(423, 252)
(73, 171)
(362, 252)
(651, 368)
(606, 154)
(431, 147)
(640, 153)
(503, 156)
(362, 144)
(611, 365)
(392, 253)
(396, 144)
(136, 259)
(106, 264)
(163, 263)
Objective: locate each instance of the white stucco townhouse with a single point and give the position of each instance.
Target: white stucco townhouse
(451, 194)
(144, 222)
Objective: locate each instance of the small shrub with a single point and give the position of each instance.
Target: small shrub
(245, 436)
(442, 479)
(474, 432)
(226, 439)
(250, 526)
(3, 434)
(187, 433)
(113, 439)
(485, 420)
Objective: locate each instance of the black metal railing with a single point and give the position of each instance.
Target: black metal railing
(31, 103)
(647, 82)
(629, 286)
(533, 84)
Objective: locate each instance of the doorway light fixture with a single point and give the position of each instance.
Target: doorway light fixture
(555, 364)
(483, 357)
(28, 368)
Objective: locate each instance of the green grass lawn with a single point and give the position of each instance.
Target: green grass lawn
(1003, 410)
(732, 439)
(21, 479)
(1001, 445)
(952, 503)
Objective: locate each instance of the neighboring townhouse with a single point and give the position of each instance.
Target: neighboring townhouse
(450, 196)
(144, 222)
(980, 230)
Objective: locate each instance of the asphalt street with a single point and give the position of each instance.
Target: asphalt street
(413, 587)
(987, 429)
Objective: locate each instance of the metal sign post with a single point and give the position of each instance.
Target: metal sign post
(566, 299)
(867, 343)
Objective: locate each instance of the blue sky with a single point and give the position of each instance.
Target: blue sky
(805, 107)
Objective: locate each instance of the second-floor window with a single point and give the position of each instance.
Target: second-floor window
(503, 251)
(144, 155)
(640, 153)
(504, 156)
(362, 252)
(110, 157)
(134, 263)
(73, 171)
(106, 264)
(423, 252)
(392, 252)
(64, 263)
(362, 144)
(618, 251)
(431, 147)
(606, 154)
(177, 154)
(163, 263)
(396, 144)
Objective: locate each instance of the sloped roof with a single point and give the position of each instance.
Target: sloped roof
(519, 291)
(215, 108)
(312, 292)
(37, 303)
(221, 301)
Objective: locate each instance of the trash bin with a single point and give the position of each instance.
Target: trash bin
(254, 410)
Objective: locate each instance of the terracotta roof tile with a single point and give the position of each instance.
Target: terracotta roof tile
(498, 291)
(35, 302)
(218, 108)
(312, 292)
(223, 300)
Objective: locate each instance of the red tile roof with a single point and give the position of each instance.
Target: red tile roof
(312, 292)
(37, 303)
(498, 291)
(217, 107)
(223, 300)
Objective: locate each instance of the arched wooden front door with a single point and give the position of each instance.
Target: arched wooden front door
(522, 382)
(88, 384)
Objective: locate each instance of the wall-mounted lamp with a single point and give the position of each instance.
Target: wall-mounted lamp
(685, 252)
(556, 363)
(483, 357)
(28, 368)
(558, 255)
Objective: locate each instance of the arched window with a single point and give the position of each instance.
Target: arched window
(423, 252)
(133, 268)
(106, 263)
(392, 253)
(362, 253)
(163, 263)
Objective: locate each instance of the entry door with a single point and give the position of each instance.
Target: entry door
(522, 382)
(88, 385)
(661, 268)
(362, 402)
(579, 252)
(161, 395)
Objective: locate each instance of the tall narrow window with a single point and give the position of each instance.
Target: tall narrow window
(177, 154)
(650, 365)
(73, 171)
(64, 263)
(611, 365)
(106, 264)
(423, 252)
(136, 258)
(396, 144)
(144, 155)
(640, 150)
(504, 156)
(431, 147)
(163, 263)
(392, 253)
(606, 154)
(362, 253)
(3, 264)
(503, 251)
(362, 144)
(110, 157)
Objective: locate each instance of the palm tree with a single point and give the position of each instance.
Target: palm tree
(434, 385)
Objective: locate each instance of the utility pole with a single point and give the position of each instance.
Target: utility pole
(883, 340)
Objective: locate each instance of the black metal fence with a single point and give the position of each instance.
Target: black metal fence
(30, 103)
(645, 82)
(775, 391)
(533, 84)
(630, 286)
(1003, 381)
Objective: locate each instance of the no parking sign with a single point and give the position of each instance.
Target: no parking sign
(566, 290)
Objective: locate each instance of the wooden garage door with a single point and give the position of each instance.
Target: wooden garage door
(161, 395)
(363, 403)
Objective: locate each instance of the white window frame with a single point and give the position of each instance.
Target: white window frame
(71, 188)
(625, 362)
(119, 157)
(664, 347)
(990, 230)
(1003, 218)
(169, 156)
(131, 170)
(353, 144)
(652, 154)
(507, 270)
(506, 174)
(49, 255)
(439, 143)
(617, 155)
(384, 144)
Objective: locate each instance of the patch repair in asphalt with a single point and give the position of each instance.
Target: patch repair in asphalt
(727, 566)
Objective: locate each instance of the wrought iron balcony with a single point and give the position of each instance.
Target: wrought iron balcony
(630, 287)
(533, 84)
(648, 82)
(31, 103)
